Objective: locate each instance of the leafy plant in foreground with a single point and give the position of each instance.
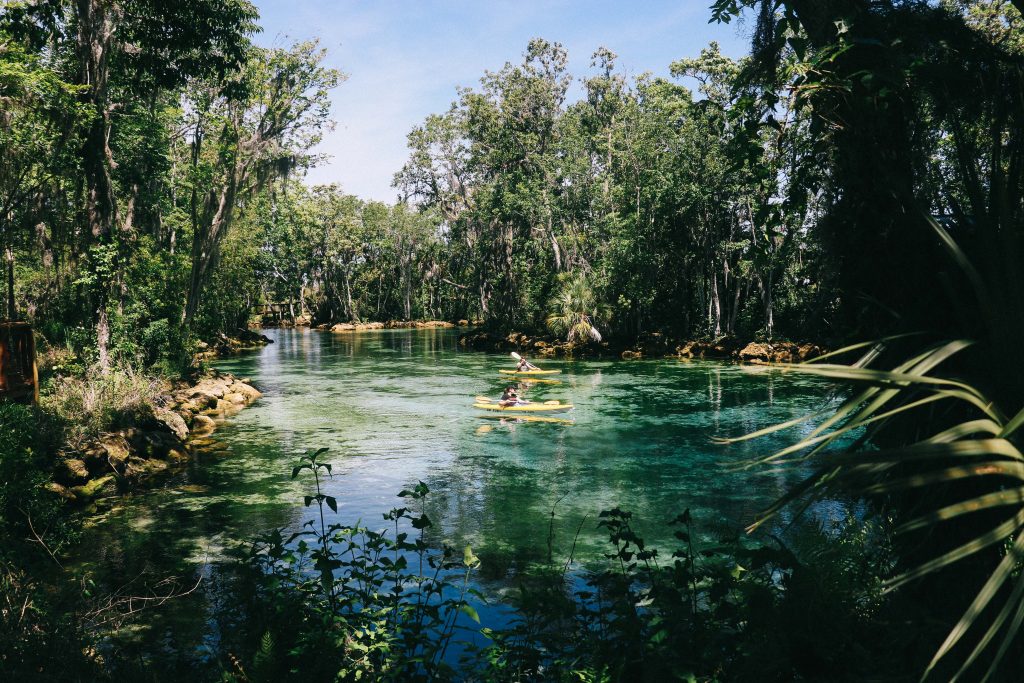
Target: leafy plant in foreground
(372, 604)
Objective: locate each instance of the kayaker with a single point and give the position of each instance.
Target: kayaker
(510, 397)
(523, 365)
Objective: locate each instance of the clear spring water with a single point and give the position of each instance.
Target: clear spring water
(394, 407)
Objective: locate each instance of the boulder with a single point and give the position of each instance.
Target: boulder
(343, 327)
(686, 350)
(463, 323)
(213, 387)
(115, 447)
(202, 399)
(62, 491)
(203, 425)
(88, 491)
(173, 422)
(630, 354)
(809, 351)
(138, 469)
(235, 399)
(249, 392)
(71, 471)
(755, 351)
(158, 444)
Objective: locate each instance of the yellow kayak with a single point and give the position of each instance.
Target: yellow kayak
(530, 372)
(526, 408)
(528, 418)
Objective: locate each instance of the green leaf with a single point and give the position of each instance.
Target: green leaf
(470, 612)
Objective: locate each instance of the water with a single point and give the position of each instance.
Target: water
(394, 408)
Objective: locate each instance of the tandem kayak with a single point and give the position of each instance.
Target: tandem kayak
(530, 372)
(525, 407)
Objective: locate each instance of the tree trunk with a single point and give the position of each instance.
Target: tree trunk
(349, 308)
(716, 306)
(11, 309)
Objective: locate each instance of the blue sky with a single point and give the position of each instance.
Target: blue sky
(404, 60)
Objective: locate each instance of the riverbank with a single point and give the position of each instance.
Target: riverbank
(226, 345)
(305, 321)
(154, 442)
(651, 345)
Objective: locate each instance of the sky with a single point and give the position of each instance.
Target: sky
(405, 60)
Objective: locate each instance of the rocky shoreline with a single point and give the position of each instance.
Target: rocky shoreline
(136, 455)
(394, 325)
(226, 345)
(651, 345)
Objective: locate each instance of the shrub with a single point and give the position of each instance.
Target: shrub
(96, 401)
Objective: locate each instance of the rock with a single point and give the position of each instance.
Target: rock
(629, 354)
(435, 324)
(343, 327)
(235, 399)
(202, 399)
(62, 491)
(203, 425)
(809, 351)
(369, 326)
(116, 448)
(174, 422)
(212, 387)
(755, 351)
(138, 469)
(249, 392)
(72, 471)
(86, 492)
(158, 444)
(686, 350)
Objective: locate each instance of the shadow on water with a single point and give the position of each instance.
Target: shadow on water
(394, 407)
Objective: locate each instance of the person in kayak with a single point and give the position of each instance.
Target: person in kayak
(523, 365)
(510, 397)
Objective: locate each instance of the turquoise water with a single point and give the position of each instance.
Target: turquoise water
(394, 407)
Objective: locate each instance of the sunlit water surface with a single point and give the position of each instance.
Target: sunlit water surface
(394, 407)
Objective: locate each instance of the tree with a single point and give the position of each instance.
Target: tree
(245, 133)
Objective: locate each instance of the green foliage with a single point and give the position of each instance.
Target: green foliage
(368, 605)
(576, 310)
(38, 640)
(98, 401)
(351, 603)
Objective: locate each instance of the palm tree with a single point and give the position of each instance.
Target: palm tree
(576, 310)
(956, 475)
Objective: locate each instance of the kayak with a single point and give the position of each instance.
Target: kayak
(530, 372)
(528, 418)
(526, 408)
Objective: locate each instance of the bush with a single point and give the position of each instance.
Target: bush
(96, 402)
(28, 439)
(369, 605)
(39, 641)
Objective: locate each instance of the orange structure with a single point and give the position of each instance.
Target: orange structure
(19, 375)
